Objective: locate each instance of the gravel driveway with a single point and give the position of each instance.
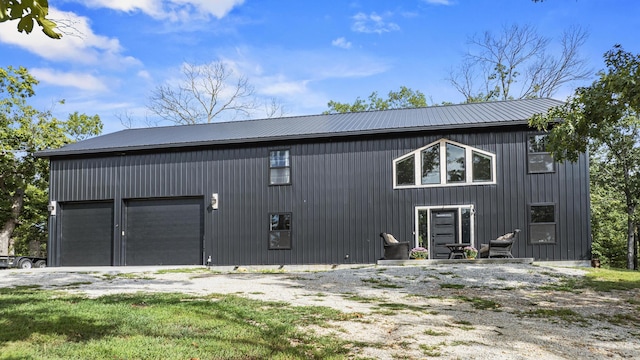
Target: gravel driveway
(454, 311)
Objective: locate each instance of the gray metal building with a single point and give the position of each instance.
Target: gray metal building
(317, 189)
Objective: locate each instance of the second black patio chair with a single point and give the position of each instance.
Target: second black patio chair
(500, 247)
(394, 249)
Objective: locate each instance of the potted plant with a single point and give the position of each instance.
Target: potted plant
(419, 253)
(470, 252)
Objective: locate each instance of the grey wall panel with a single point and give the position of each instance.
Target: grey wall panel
(341, 196)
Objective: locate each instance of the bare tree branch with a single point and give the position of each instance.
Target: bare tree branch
(207, 91)
(515, 64)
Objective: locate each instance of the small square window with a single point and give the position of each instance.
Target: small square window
(279, 167)
(542, 224)
(280, 231)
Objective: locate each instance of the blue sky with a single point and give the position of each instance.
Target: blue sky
(301, 52)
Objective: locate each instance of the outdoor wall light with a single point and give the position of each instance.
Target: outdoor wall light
(214, 201)
(52, 208)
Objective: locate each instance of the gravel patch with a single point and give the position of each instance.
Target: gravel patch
(453, 311)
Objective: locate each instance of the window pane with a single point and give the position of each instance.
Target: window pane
(405, 171)
(541, 163)
(280, 231)
(423, 240)
(280, 240)
(455, 164)
(543, 214)
(466, 225)
(482, 167)
(431, 165)
(279, 158)
(542, 233)
(280, 222)
(538, 143)
(280, 176)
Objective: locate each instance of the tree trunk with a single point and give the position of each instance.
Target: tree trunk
(11, 223)
(635, 248)
(631, 239)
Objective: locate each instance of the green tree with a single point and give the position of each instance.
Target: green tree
(28, 12)
(604, 117)
(23, 176)
(608, 216)
(401, 99)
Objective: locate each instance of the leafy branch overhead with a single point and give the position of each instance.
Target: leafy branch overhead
(605, 119)
(29, 12)
(401, 99)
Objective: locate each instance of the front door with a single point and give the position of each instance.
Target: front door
(443, 231)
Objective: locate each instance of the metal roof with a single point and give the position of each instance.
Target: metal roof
(484, 114)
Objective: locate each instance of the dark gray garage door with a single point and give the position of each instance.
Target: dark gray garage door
(164, 232)
(86, 234)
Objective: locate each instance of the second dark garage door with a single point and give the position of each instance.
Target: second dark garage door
(164, 231)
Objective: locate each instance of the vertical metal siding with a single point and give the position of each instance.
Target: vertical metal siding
(341, 196)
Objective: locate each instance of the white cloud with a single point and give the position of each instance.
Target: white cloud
(83, 46)
(144, 74)
(372, 23)
(80, 81)
(173, 10)
(341, 42)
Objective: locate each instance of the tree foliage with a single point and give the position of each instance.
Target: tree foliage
(28, 13)
(401, 99)
(516, 64)
(605, 118)
(23, 176)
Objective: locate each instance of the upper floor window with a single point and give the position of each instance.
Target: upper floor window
(538, 158)
(444, 163)
(279, 167)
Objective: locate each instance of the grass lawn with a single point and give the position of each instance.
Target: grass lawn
(39, 324)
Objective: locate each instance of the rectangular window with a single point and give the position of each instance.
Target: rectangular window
(455, 164)
(279, 231)
(405, 171)
(279, 167)
(539, 159)
(431, 165)
(542, 224)
(482, 167)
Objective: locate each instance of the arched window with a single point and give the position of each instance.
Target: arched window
(444, 163)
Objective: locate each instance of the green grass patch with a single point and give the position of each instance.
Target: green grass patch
(566, 315)
(452, 286)
(51, 324)
(607, 279)
(431, 332)
(131, 276)
(377, 283)
(479, 303)
(190, 270)
(603, 280)
(432, 350)
(464, 325)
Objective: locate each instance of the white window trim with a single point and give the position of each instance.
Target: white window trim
(458, 208)
(468, 150)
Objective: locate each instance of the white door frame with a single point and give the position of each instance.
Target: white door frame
(457, 208)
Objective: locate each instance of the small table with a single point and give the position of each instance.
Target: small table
(457, 250)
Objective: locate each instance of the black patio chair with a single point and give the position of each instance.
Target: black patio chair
(394, 249)
(500, 247)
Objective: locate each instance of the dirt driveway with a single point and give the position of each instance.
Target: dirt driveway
(456, 311)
